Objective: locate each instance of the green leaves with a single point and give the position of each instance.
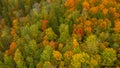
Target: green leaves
(108, 56)
(2, 64)
(47, 64)
(46, 54)
(34, 31)
(64, 33)
(78, 59)
(50, 34)
(19, 59)
(92, 44)
(33, 45)
(8, 61)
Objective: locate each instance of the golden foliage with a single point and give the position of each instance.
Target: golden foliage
(52, 44)
(15, 23)
(68, 54)
(75, 43)
(104, 24)
(13, 33)
(14, 28)
(57, 55)
(117, 27)
(71, 4)
(86, 5)
(105, 11)
(88, 23)
(94, 9)
(88, 29)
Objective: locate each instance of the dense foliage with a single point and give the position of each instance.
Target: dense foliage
(59, 33)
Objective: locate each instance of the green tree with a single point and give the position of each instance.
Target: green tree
(19, 59)
(108, 56)
(64, 33)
